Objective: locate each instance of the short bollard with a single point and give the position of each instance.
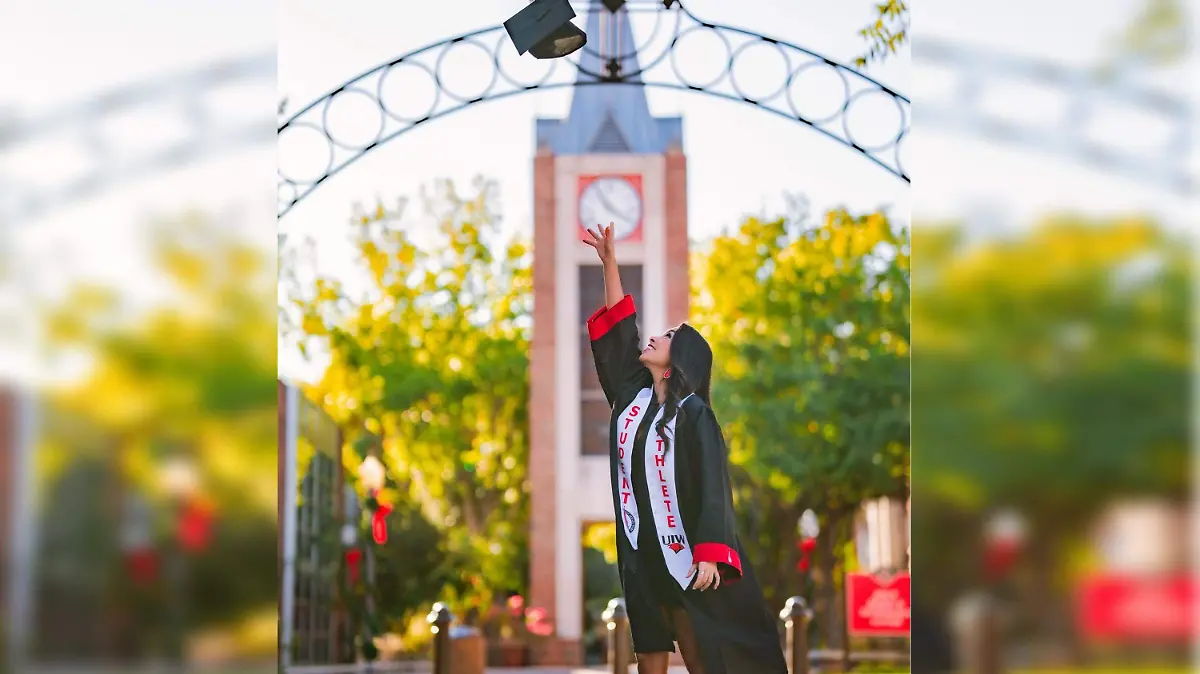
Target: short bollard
(796, 616)
(439, 620)
(618, 635)
(975, 621)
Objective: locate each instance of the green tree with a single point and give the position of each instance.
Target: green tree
(1157, 36)
(426, 336)
(886, 34)
(194, 372)
(1064, 348)
(1052, 377)
(809, 327)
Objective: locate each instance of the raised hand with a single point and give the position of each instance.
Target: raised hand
(602, 239)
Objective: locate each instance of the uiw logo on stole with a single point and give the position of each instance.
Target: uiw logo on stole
(674, 542)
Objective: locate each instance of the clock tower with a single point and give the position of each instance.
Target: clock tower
(610, 160)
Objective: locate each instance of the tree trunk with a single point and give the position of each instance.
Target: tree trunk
(779, 578)
(789, 556)
(470, 504)
(828, 606)
(1054, 612)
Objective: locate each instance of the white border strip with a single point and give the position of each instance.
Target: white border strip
(287, 518)
(24, 528)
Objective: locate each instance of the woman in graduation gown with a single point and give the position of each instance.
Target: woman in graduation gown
(683, 570)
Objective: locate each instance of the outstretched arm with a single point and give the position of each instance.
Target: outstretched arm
(613, 329)
(613, 291)
(602, 239)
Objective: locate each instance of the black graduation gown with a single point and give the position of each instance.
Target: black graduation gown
(735, 631)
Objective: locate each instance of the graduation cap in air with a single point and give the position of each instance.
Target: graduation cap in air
(544, 29)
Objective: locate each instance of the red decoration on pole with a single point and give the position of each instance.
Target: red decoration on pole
(1003, 541)
(806, 546)
(999, 556)
(142, 565)
(379, 523)
(195, 526)
(353, 558)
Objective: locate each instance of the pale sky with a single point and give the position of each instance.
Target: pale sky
(956, 174)
(740, 160)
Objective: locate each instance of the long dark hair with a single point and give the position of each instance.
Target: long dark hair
(691, 372)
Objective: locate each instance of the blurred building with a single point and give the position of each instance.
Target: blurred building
(8, 450)
(1143, 538)
(1139, 590)
(609, 160)
(8, 455)
(16, 525)
(881, 535)
(315, 504)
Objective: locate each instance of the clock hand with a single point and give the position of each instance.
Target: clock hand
(604, 200)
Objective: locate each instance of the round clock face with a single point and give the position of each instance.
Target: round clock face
(613, 200)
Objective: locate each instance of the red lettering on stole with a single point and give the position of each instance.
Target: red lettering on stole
(666, 498)
(624, 437)
(660, 461)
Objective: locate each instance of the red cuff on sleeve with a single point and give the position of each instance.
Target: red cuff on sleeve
(727, 559)
(606, 318)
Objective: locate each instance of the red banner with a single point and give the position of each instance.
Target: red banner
(878, 605)
(1129, 608)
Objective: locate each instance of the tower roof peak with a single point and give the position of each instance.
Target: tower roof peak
(609, 117)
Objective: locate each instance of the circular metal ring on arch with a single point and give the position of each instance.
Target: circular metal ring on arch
(328, 135)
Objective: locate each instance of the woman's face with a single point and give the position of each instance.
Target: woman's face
(658, 350)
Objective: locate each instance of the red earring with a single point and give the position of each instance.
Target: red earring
(667, 373)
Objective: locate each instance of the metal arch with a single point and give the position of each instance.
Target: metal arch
(203, 133)
(334, 152)
(1088, 95)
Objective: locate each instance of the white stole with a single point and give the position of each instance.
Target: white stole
(660, 485)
